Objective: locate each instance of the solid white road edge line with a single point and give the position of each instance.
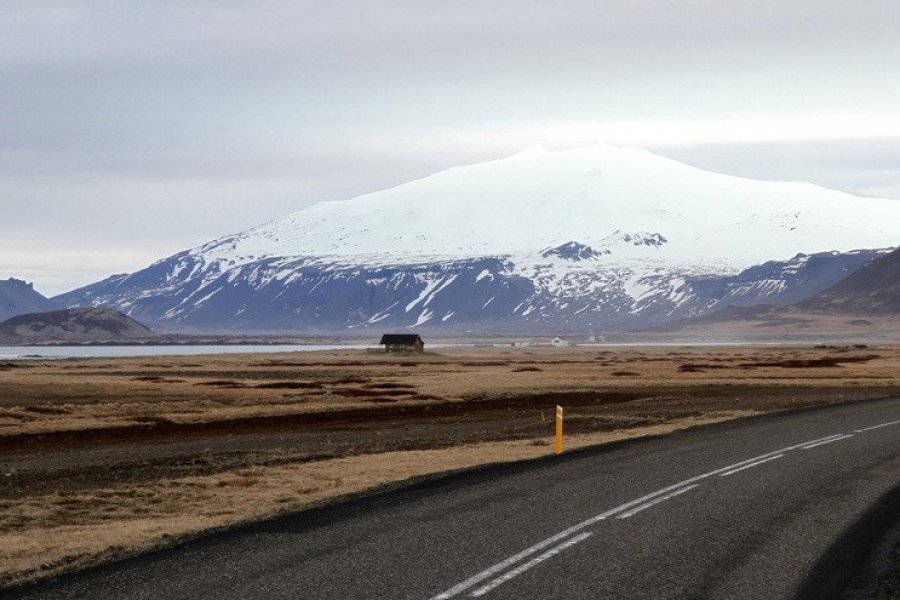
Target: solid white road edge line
(656, 501)
(531, 563)
(503, 565)
(751, 465)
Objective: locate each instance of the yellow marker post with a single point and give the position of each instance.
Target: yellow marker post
(559, 429)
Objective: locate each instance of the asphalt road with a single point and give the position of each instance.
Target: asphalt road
(783, 506)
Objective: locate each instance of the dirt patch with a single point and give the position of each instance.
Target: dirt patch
(369, 393)
(157, 379)
(699, 367)
(810, 363)
(222, 383)
(46, 410)
(390, 385)
(291, 385)
(485, 363)
(6, 366)
(349, 380)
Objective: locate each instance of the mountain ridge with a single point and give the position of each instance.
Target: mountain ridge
(874, 289)
(863, 305)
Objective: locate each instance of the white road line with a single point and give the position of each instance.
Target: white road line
(751, 465)
(656, 501)
(505, 564)
(820, 440)
(837, 439)
(876, 427)
(530, 564)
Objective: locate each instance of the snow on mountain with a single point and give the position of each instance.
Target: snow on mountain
(538, 199)
(609, 236)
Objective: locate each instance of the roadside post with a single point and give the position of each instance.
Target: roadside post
(559, 429)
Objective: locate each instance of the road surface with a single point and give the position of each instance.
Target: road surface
(781, 506)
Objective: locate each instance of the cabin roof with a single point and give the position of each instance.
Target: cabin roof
(404, 339)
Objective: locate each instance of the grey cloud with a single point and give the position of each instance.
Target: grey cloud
(160, 123)
(858, 166)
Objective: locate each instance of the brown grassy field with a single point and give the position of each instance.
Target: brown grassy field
(100, 458)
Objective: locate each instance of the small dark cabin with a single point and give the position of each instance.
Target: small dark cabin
(402, 342)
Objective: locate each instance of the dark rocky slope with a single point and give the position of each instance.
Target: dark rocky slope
(873, 289)
(488, 295)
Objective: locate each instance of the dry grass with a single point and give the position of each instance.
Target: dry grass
(87, 394)
(345, 422)
(43, 535)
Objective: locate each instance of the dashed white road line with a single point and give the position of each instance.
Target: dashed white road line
(655, 501)
(751, 465)
(822, 443)
(505, 564)
(818, 441)
(641, 503)
(824, 439)
(531, 563)
(876, 426)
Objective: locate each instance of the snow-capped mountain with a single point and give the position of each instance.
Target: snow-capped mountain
(540, 241)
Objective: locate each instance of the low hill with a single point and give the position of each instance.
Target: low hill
(18, 297)
(74, 325)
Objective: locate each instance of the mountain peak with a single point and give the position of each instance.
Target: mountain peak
(20, 283)
(573, 251)
(18, 297)
(540, 199)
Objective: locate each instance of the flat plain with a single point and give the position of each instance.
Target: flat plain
(103, 458)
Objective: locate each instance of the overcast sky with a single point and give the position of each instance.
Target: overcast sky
(131, 130)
